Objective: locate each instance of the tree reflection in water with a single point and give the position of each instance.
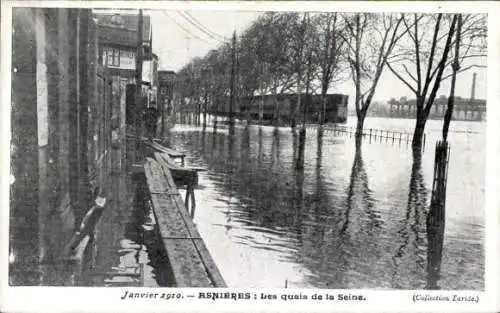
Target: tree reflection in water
(359, 193)
(275, 152)
(412, 230)
(332, 229)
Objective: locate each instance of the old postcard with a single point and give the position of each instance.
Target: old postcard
(243, 156)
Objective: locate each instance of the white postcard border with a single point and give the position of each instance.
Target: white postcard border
(61, 299)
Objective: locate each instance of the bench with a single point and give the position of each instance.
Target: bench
(190, 261)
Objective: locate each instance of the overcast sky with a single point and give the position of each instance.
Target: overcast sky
(176, 41)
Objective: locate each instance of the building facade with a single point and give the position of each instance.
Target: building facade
(61, 147)
(68, 139)
(118, 42)
(285, 107)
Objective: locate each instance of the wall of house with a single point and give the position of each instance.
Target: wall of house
(60, 138)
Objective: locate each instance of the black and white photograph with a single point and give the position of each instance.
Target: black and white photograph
(224, 147)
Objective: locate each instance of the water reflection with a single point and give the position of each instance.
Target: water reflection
(344, 220)
(412, 231)
(319, 150)
(360, 195)
(275, 148)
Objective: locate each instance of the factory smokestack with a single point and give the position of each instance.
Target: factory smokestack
(473, 87)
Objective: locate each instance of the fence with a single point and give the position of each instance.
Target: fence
(392, 136)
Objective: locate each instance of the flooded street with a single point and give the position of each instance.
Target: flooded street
(350, 219)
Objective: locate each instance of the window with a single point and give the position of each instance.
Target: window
(111, 56)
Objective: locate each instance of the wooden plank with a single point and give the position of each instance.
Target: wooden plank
(188, 269)
(192, 264)
(179, 203)
(170, 221)
(161, 148)
(154, 181)
(210, 266)
(182, 176)
(165, 158)
(208, 262)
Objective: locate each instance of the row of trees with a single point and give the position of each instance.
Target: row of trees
(312, 52)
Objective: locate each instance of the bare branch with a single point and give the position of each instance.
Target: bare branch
(402, 79)
(441, 66)
(411, 76)
(463, 70)
(417, 58)
(431, 57)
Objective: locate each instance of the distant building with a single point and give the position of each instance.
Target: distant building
(264, 108)
(166, 86)
(118, 42)
(166, 81)
(464, 109)
(118, 38)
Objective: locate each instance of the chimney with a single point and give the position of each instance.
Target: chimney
(473, 88)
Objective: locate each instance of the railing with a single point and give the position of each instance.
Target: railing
(375, 134)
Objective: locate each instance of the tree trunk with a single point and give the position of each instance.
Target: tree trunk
(418, 133)
(360, 123)
(276, 108)
(455, 66)
(323, 108)
(205, 103)
(294, 109)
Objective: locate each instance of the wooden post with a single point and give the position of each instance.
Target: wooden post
(436, 215)
(138, 87)
(82, 113)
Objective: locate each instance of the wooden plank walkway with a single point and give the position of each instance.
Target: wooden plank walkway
(191, 263)
(156, 147)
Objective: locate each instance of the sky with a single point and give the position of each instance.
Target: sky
(176, 41)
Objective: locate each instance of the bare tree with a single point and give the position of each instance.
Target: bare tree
(298, 38)
(370, 39)
(329, 53)
(274, 55)
(455, 68)
(422, 63)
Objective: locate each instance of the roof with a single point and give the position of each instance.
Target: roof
(166, 77)
(166, 74)
(121, 29)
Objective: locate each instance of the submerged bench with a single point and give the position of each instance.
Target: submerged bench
(191, 263)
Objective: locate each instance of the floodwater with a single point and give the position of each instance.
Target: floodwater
(124, 250)
(350, 219)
